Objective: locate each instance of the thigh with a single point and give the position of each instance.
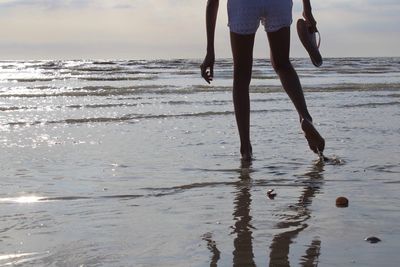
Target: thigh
(242, 52)
(279, 43)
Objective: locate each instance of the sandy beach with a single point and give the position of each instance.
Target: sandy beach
(136, 163)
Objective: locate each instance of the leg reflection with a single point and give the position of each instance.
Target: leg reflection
(243, 247)
(279, 249)
(212, 246)
(312, 254)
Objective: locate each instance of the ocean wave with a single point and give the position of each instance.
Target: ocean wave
(127, 105)
(372, 104)
(78, 78)
(36, 199)
(165, 191)
(181, 90)
(387, 168)
(30, 80)
(104, 63)
(15, 108)
(96, 69)
(118, 78)
(85, 91)
(105, 105)
(134, 118)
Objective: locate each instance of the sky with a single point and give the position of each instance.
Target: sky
(164, 29)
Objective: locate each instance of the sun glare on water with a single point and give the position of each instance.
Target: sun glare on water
(20, 258)
(22, 199)
(27, 199)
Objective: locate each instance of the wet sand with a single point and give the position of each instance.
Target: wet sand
(171, 190)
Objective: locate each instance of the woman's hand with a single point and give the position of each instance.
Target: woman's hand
(207, 67)
(308, 16)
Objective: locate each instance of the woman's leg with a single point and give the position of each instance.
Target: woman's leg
(279, 43)
(242, 51)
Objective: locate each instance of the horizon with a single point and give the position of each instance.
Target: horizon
(194, 59)
(120, 29)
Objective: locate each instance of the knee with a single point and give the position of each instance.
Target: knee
(281, 65)
(242, 76)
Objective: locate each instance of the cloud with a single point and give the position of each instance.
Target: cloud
(40, 4)
(140, 28)
(176, 28)
(66, 4)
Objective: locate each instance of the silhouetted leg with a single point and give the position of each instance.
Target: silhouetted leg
(242, 51)
(279, 43)
(243, 254)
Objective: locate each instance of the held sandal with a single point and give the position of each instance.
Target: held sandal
(308, 38)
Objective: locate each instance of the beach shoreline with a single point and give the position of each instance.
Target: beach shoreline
(137, 164)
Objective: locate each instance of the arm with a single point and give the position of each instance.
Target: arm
(207, 68)
(307, 14)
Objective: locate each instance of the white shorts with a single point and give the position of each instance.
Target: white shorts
(244, 16)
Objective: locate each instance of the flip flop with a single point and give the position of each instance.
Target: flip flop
(309, 40)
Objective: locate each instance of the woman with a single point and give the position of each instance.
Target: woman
(244, 19)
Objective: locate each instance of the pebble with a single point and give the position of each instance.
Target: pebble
(372, 239)
(342, 202)
(271, 194)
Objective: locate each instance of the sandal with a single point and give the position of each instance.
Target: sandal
(309, 40)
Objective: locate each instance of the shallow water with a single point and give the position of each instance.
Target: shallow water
(135, 163)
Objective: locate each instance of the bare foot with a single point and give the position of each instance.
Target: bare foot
(314, 139)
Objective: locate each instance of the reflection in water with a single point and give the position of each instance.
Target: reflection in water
(279, 249)
(212, 246)
(312, 254)
(243, 252)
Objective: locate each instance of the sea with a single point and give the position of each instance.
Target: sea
(137, 163)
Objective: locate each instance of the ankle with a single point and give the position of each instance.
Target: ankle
(307, 118)
(246, 150)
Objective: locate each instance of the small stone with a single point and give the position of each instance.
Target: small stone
(372, 239)
(342, 202)
(271, 194)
